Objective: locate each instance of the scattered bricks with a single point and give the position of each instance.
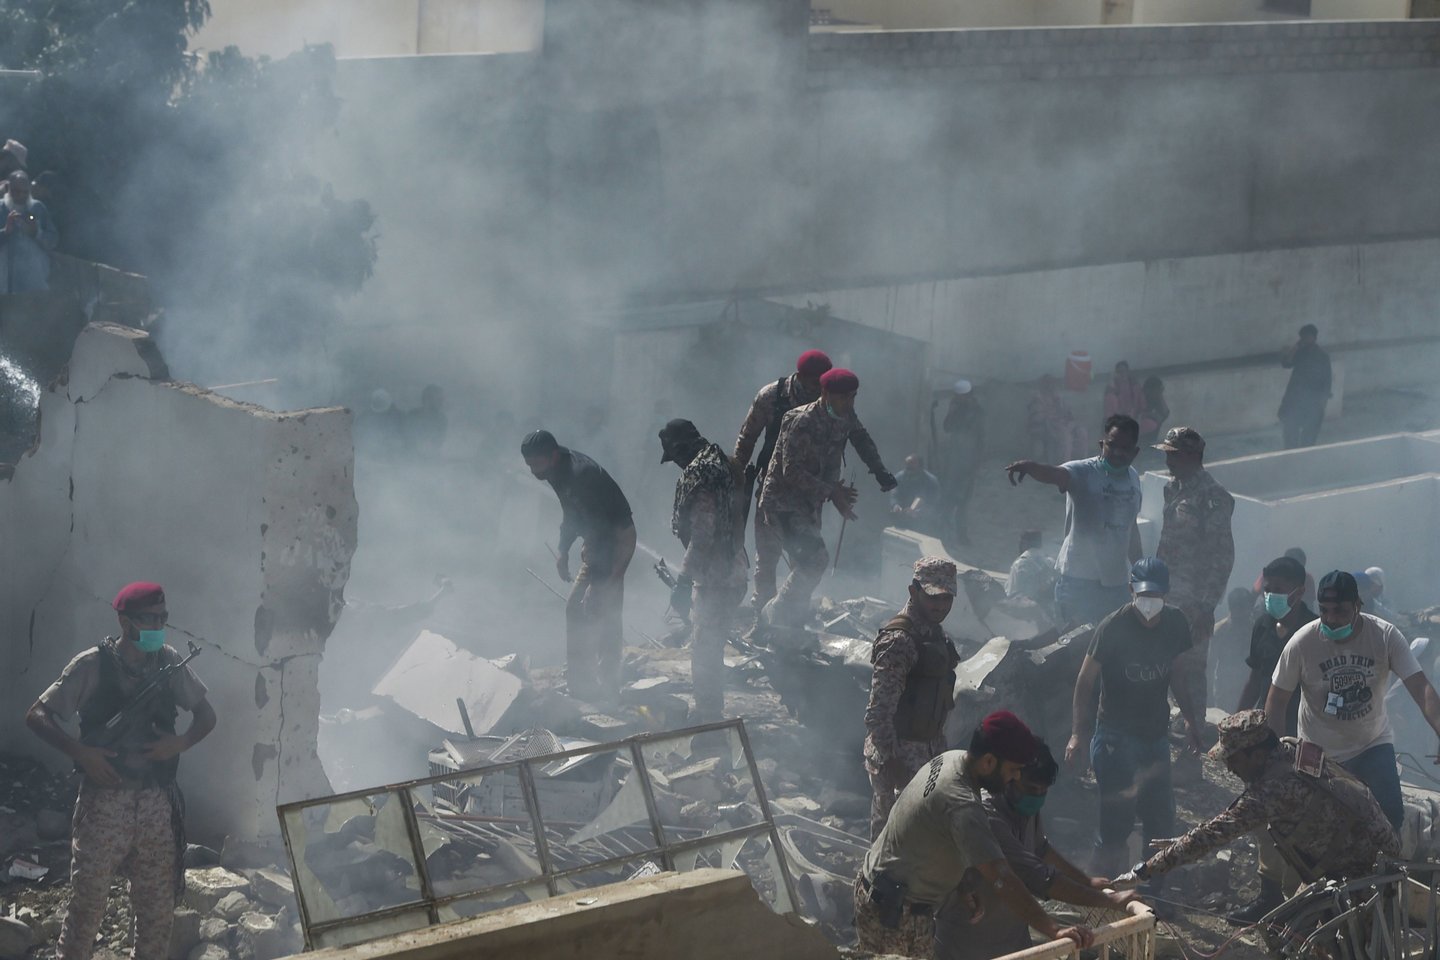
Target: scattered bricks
(261, 938)
(233, 905)
(185, 933)
(205, 888)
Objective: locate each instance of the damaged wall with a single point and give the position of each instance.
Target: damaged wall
(246, 516)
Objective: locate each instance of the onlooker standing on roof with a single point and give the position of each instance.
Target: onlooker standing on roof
(1302, 409)
(1197, 545)
(26, 239)
(1102, 503)
(1341, 664)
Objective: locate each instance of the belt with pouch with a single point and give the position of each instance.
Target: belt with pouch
(914, 906)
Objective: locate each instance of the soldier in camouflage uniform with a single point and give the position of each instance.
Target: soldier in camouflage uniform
(127, 817)
(1326, 826)
(803, 475)
(711, 578)
(766, 416)
(1197, 545)
(912, 688)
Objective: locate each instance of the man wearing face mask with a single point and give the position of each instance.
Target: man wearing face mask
(912, 687)
(711, 578)
(1134, 661)
(803, 475)
(128, 816)
(938, 839)
(1324, 822)
(766, 414)
(1015, 822)
(1341, 664)
(1102, 503)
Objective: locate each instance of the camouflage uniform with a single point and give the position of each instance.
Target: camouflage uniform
(1197, 544)
(767, 413)
(1330, 826)
(704, 518)
(802, 475)
(915, 937)
(890, 760)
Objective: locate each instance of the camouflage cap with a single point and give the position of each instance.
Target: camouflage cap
(936, 576)
(1182, 440)
(1240, 731)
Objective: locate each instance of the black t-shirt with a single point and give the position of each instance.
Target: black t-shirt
(1135, 665)
(1265, 648)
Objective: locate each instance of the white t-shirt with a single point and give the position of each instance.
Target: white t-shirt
(1342, 684)
(1100, 510)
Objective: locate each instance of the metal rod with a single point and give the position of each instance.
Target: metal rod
(546, 585)
(537, 823)
(465, 717)
(763, 803)
(639, 769)
(417, 850)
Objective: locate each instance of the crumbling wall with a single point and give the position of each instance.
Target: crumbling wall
(246, 516)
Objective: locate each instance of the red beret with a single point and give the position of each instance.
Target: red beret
(812, 363)
(1007, 737)
(139, 594)
(840, 380)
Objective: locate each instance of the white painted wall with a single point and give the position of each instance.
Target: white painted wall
(246, 517)
(951, 14)
(1234, 11)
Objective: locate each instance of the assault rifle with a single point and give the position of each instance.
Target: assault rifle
(135, 709)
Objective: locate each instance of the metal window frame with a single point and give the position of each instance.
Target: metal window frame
(665, 850)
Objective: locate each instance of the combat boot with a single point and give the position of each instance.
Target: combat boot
(1270, 897)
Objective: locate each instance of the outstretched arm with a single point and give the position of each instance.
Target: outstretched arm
(1057, 477)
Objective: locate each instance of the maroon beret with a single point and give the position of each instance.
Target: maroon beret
(812, 363)
(138, 594)
(1007, 737)
(840, 380)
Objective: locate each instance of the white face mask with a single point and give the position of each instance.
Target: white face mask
(1149, 607)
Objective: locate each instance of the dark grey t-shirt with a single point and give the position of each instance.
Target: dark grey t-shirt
(937, 831)
(1135, 669)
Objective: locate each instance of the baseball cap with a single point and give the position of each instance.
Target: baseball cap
(1182, 440)
(1337, 586)
(1150, 575)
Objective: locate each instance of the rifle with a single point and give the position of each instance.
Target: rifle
(114, 731)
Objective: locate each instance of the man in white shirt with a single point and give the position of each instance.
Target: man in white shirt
(1342, 665)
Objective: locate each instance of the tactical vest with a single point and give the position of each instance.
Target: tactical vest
(107, 700)
(783, 405)
(1356, 803)
(929, 693)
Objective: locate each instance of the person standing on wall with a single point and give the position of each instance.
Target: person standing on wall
(596, 513)
(129, 816)
(766, 413)
(1342, 664)
(1302, 409)
(1102, 537)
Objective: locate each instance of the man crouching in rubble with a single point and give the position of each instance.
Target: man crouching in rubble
(938, 837)
(912, 687)
(1324, 821)
(711, 579)
(129, 816)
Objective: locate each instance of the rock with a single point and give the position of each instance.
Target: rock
(52, 925)
(52, 825)
(214, 930)
(262, 938)
(801, 805)
(272, 887)
(16, 939)
(31, 919)
(209, 951)
(233, 905)
(185, 933)
(205, 888)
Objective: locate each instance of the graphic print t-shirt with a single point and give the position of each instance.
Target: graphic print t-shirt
(1135, 663)
(1342, 684)
(1100, 510)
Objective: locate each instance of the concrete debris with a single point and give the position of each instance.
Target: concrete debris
(184, 933)
(17, 939)
(434, 677)
(210, 951)
(206, 888)
(214, 929)
(232, 905)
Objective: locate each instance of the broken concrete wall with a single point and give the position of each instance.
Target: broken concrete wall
(246, 516)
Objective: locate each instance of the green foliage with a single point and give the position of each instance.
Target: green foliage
(199, 175)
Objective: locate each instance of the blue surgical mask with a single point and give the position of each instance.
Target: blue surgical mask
(1338, 633)
(150, 640)
(831, 410)
(1277, 605)
(1113, 469)
(1029, 804)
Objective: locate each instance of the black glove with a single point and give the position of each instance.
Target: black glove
(680, 596)
(887, 481)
